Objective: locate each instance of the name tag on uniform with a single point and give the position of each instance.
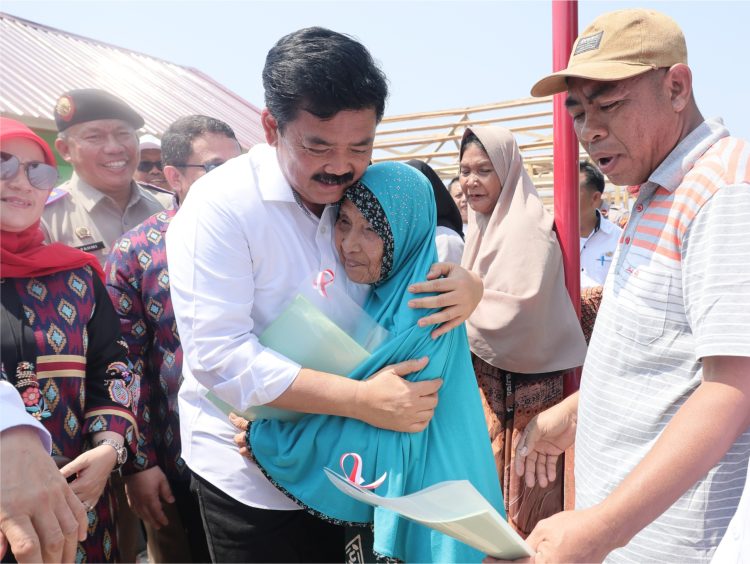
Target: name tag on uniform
(91, 247)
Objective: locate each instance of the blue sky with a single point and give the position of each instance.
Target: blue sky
(437, 54)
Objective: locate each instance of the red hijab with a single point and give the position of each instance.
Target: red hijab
(23, 254)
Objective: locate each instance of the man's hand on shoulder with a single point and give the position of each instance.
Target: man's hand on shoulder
(459, 291)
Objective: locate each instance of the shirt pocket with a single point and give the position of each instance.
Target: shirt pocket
(644, 300)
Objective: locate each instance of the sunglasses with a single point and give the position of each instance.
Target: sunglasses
(146, 166)
(40, 175)
(208, 167)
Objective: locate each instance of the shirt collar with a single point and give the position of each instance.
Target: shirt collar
(271, 182)
(672, 170)
(605, 224)
(597, 225)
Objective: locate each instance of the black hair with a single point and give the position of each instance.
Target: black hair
(448, 214)
(177, 141)
(453, 181)
(594, 177)
(322, 72)
(470, 139)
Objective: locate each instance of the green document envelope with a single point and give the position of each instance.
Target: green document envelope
(304, 334)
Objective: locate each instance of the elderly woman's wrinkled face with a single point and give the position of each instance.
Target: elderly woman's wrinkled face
(21, 204)
(360, 248)
(479, 181)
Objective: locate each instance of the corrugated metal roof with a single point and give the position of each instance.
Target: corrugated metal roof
(39, 63)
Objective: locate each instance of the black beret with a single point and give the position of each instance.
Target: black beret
(89, 104)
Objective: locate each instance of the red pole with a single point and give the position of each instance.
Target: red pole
(565, 162)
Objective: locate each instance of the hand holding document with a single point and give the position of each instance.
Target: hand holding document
(454, 508)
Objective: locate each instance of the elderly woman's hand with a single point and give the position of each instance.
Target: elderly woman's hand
(459, 291)
(242, 425)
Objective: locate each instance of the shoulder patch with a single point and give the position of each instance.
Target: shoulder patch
(56, 194)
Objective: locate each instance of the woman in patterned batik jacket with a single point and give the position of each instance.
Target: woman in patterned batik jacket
(60, 338)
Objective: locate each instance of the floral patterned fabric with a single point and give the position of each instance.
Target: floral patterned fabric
(138, 284)
(80, 382)
(510, 401)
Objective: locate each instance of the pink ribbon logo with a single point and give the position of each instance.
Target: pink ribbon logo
(355, 476)
(323, 280)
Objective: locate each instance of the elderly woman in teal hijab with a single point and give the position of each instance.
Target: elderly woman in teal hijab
(385, 237)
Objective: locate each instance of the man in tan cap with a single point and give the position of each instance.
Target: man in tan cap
(101, 201)
(662, 421)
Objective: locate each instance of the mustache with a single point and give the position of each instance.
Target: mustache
(347, 178)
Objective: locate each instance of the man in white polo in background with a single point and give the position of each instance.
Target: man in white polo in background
(599, 236)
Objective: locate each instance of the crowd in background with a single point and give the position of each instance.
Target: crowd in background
(148, 278)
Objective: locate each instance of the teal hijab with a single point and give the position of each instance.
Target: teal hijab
(454, 446)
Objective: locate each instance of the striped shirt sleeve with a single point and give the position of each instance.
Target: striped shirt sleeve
(716, 274)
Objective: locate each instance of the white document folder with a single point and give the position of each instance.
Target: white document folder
(454, 508)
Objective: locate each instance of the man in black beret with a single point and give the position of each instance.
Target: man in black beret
(97, 135)
(100, 202)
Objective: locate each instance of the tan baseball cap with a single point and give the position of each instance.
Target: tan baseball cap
(620, 45)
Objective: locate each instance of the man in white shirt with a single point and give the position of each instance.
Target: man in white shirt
(41, 519)
(246, 238)
(599, 236)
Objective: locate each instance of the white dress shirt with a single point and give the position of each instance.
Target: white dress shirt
(597, 251)
(15, 414)
(238, 251)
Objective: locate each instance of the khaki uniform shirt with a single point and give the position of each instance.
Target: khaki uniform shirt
(85, 218)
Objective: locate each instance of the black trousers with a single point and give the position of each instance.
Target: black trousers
(183, 539)
(238, 533)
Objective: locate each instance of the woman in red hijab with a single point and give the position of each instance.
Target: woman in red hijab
(61, 345)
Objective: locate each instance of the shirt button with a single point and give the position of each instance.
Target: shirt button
(627, 240)
(639, 208)
(324, 230)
